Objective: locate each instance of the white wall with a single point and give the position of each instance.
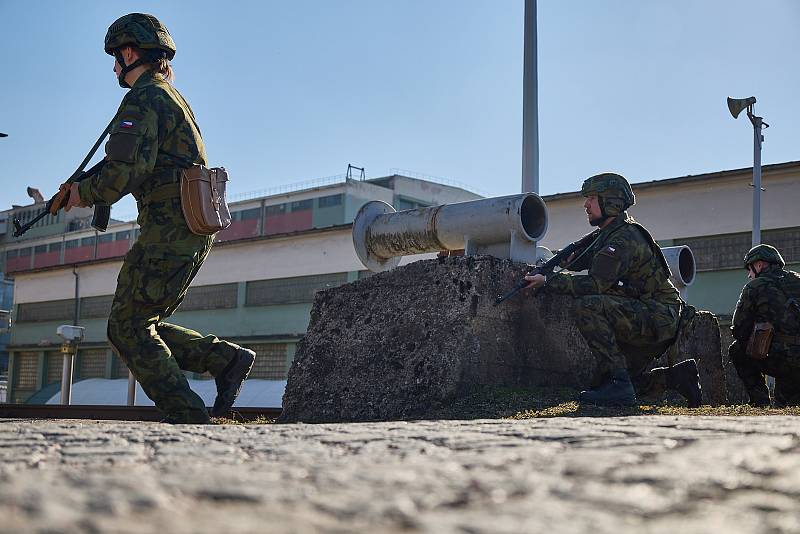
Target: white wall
(675, 210)
(316, 253)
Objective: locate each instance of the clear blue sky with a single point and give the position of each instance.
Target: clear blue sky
(290, 91)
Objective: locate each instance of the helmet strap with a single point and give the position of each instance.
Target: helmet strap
(125, 68)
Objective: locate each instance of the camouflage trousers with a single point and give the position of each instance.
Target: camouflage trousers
(782, 364)
(626, 333)
(152, 283)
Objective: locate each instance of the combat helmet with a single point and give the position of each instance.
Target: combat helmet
(613, 192)
(143, 31)
(767, 253)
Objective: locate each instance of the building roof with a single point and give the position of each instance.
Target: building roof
(689, 178)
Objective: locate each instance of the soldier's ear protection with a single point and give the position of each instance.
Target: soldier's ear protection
(611, 207)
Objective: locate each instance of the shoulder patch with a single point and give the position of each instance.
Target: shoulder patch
(606, 263)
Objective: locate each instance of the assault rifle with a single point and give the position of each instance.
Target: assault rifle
(548, 266)
(102, 213)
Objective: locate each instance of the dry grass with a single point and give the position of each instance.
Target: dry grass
(260, 420)
(573, 409)
(532, 403)
(495, 403)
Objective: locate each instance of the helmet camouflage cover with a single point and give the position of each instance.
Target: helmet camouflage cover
(767, 253)
(613, 191)
(142, 30)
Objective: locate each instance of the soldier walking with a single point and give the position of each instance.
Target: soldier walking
(153, 138)
(771, 300)
(628, 311)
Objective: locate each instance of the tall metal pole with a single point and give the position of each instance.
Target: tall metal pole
(131, 389)
(530, 104)
(69, 349)
(757, 139)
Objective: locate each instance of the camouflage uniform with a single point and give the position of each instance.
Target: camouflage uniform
(154, 136)
(772, 296)
(627, 311)
(625, 299)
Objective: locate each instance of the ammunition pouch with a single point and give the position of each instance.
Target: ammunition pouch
(203, 199)
(760, 340)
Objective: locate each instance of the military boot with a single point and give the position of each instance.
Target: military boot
(230, 380)
(618, 391)
(186, 419)
(759, 396)
(685, 379)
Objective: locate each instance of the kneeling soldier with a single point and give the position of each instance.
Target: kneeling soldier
(766, 328)
(626, 299)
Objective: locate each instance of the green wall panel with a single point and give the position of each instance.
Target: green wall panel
(718, 291)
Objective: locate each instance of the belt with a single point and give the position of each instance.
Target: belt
(787, 339)
(161, 184)
(164, 192)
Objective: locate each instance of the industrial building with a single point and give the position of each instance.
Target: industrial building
(258, 284)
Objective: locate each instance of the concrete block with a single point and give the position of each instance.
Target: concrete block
(406, 343)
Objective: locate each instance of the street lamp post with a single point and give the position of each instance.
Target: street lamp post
(735, 106)
(530, 104)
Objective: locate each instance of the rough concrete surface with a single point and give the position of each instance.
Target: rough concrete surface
(406, 343)
(653, 474)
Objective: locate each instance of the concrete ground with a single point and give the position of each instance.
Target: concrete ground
(628, 474)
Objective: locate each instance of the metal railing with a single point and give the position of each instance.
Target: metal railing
(289, 188)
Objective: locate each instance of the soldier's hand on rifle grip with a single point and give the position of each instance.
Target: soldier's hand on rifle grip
(569, 259)
(73, 197)
(535, 281)
(60, 200)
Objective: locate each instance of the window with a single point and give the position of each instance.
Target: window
(40, 249)
(72, 243)
(123, 236)
(403, 204)
(210, 297)
(302, 205)
(105, 238)
(54, 367)
(254, 213)
(277, 209)
(53, 310)
(92, 363)
(293, 290)
(54, 247)
(12, 254)
(27, 369)
(270, 361)
(96, 307)
(24, 252)
(331, 200)
(726, 251)
(87, 241)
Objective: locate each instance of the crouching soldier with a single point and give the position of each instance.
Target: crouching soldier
(628, 311)
(766, 329)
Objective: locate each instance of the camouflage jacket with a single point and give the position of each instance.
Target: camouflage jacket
(622, 261)
(773, 296)
(153, 133)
